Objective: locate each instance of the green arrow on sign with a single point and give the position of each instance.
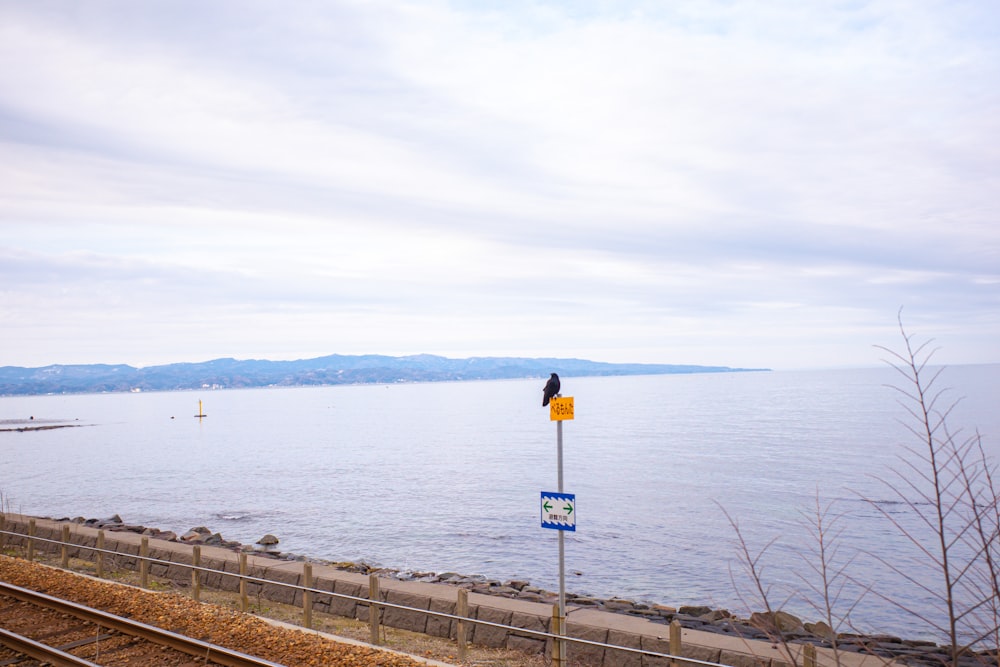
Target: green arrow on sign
(568, 509)
(546, 506)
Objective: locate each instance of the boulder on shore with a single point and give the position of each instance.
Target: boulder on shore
(195, 535)
(821, 630)
(776, 622)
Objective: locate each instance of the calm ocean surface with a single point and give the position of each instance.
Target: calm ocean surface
(446, 476)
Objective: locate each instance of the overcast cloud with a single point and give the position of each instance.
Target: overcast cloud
(746, 184)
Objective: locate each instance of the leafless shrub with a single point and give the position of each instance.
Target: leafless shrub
(946, 484)
(828, 589)
(763, 594)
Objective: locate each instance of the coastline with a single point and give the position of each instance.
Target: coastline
(759, 626)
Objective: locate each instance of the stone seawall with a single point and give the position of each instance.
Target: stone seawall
(728, 641)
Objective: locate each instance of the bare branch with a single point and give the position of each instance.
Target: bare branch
(950, 492)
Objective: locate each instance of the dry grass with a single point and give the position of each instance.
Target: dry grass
(413, 643)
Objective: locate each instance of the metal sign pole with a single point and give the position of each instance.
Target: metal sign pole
(562, 551)
(558, 511)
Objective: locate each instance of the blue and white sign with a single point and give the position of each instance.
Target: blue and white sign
(558, 511)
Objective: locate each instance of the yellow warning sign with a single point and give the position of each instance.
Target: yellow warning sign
(561, 408)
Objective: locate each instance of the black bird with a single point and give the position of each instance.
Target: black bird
(551, 389)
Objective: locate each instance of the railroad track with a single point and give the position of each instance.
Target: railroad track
(45, 629)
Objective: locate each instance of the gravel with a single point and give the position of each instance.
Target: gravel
(211, 623)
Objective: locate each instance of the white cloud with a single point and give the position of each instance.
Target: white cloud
(687, 183)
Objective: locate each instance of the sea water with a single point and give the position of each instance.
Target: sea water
(669, 472)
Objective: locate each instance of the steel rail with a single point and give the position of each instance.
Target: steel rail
(42, 652)
(195, 647)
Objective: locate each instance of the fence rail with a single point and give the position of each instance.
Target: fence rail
(376, 607)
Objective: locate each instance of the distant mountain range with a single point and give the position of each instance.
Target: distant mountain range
(331, 370)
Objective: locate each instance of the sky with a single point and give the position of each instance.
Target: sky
(763, 184)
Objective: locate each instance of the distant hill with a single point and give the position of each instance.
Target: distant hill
(331, 370)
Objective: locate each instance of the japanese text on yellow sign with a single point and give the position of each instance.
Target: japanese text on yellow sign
(561, 408)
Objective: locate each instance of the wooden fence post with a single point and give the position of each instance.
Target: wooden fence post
(307, 596)
(3, 527)
(244, 603)
(373, 608)
(65, 546)
(143, 563)
(31, 539)
(462, 611)
(100, 554)
(675, 641)
(195, 573)
(808, 656)
(557, 644)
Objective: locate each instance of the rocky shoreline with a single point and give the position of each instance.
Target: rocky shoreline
(762, 626)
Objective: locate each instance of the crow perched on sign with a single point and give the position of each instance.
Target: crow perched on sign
(551, 389)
